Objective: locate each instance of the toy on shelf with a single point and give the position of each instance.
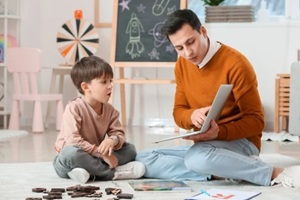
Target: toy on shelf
(77, 38)
(11, 42)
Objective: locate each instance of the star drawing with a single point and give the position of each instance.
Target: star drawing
(124, 4)
(141, 8)
(171, 10)
(170, 48)
(154, 54)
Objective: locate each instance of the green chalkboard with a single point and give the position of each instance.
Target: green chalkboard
(137, 30)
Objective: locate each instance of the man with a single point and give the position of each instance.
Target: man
(230, 148)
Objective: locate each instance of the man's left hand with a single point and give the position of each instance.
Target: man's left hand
(210, 134)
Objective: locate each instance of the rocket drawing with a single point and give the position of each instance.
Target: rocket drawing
(134, 28)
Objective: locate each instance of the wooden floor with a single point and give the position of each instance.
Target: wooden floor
(37, 147)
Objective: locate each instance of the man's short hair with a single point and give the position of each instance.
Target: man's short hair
(177, 19)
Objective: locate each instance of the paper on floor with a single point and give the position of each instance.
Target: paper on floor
(213, 194)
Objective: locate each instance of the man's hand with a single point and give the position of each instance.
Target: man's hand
(199, 116)
(210, 134)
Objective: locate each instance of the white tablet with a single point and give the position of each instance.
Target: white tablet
(214, 112)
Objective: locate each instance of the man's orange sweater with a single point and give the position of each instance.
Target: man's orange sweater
(242, 115)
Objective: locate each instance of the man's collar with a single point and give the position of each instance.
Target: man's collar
(213, 48)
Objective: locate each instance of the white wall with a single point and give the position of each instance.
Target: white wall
(270, 47)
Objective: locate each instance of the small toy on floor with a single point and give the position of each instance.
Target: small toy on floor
(77, 191)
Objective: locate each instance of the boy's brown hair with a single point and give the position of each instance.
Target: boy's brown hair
(89, 68)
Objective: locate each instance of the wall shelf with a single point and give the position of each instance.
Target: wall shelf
(9, 20)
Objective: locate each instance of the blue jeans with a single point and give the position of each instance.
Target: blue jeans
(228, 159)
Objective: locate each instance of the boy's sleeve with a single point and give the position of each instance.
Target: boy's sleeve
(116, 129)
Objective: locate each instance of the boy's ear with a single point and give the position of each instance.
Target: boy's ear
(84, 86)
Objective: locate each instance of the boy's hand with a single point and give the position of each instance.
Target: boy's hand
(111, 160)
(106, 147)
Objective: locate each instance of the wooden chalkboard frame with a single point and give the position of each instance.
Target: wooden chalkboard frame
(183, 4)
(129, 64)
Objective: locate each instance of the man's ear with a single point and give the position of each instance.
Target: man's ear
(203, 31)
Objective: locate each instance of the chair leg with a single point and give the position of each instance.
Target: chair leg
(14, 122)
(59, 114)
(37, 123)
(48, 114)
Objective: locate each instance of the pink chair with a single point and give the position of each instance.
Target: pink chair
(24, 64)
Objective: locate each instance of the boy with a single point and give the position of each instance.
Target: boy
(91, 144)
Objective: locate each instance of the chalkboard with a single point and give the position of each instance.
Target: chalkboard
(137, 34)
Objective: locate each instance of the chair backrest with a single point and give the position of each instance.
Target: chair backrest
(24, 64)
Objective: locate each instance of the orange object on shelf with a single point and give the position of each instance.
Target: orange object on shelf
(78, 14)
